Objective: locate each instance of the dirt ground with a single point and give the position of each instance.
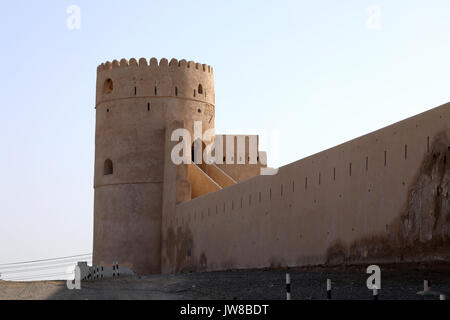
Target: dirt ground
(397, 282)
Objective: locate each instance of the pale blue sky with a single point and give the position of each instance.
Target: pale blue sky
(310, 71)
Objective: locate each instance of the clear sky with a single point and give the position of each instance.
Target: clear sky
(306, 75)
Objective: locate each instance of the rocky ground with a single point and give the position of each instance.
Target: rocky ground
(398, 282)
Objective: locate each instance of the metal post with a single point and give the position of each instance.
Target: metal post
(329, 289)
(375, 293)
(426, 285)
(288, 286)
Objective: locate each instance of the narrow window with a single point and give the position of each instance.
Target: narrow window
(406, 151)
(306, 183)
(108, 86)
(108, 168)
(156, 91)
(176, 91)
(135, 91)
(350, 169)
(270, 194)
(200, 89)
(293, 186)
(334, 174)
(148, 106)
(367, 163)
(385, 158)
(428, 144)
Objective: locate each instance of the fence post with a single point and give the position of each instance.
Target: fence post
(426, 285)
(329, 289)
(288, 286)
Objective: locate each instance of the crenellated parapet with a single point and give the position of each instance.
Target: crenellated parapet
(154, 63)
(141, 78)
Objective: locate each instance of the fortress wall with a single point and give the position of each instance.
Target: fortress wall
(127, 226)
(380, 197)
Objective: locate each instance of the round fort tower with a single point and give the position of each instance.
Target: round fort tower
(136, 102)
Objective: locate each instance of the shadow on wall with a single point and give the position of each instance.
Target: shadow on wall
(423, 231)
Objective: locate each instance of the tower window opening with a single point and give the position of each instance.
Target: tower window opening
(200, 89)
(108, 86)
(148, 106)
(156, 91)
(176, 91)
(108, 168)
(135, 90)
(197, 150)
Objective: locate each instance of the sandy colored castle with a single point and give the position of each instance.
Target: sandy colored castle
(382, 197)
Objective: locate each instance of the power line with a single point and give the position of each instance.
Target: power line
(43, 264)
(38, 276)
(53, 259)
(4, 272)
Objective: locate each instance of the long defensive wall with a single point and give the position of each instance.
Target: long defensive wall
(382, 197)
